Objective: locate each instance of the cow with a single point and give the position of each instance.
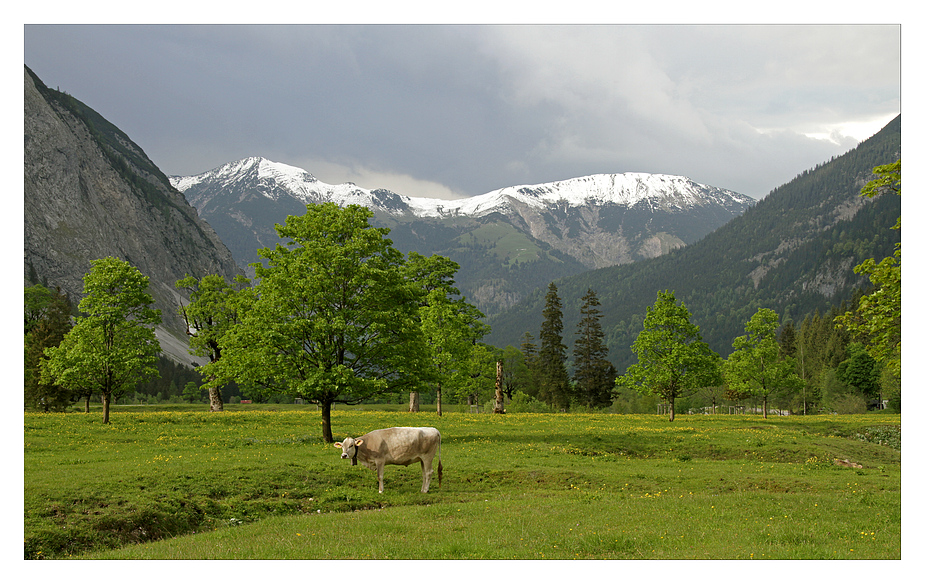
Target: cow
(396, 446)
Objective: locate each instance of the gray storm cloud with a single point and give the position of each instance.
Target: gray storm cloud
(456, 110)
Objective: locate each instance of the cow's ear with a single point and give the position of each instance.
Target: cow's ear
(359, 442)
(338, 445)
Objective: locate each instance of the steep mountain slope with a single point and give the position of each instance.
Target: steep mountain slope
(507, 241)
(90, 192)
(794, 252)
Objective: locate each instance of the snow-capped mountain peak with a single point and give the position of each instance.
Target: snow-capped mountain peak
(258, 176)
(273, 180)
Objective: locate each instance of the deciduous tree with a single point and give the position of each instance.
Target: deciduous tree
(515, 371)
(113, 348)
(334, 318)
(478, 380)
(877, 320)
(451, 329)
(214, 307)
(48, 320)
(673, 360)
(861, 371)
(756, 366)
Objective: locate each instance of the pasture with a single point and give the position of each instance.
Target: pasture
(257, 482)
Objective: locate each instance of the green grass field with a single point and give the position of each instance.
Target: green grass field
(257, 482)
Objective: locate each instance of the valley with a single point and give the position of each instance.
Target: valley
(91, 192)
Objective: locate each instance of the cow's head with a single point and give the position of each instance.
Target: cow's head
(349, 449)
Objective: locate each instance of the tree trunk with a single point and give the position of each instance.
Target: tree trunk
(439, 399)
(764, 407)
(87, 404)
(415, 405)
(326, 422)
(215, 400)
(499, 395)
(106, 397)
(671, 409)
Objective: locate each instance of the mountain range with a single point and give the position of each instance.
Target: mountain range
(793, 252)
(507, 241)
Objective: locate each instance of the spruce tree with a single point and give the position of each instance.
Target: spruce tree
(594, 375)
(554, 382)
(532, 362)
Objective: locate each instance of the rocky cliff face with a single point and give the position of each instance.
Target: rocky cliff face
(90, 192)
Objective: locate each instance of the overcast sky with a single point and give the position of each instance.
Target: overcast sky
(459, 110)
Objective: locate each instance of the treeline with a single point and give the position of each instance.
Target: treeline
(836, 374)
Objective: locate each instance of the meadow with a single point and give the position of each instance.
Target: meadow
(257, 482)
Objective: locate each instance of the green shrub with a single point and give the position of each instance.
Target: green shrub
(849, 403)
(527, 404)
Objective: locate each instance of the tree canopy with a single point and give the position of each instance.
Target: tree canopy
(334, 315)
(113, 347)
(48, 320)
(756, 366)
(451, 328)
(554, 384)
(878, 318)
(213, 309)
(673, 360)
(594, 374)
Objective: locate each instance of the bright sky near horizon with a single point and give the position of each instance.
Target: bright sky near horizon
(449, 111)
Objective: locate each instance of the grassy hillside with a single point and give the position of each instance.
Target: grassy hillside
(793, 252)
(259, 483)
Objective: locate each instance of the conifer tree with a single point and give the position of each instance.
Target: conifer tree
(532, 362)
(554, 382)
(594, 375)
(787, 339)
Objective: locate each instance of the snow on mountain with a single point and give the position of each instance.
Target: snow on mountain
(558, 229)
(627, 189)
(273, 179)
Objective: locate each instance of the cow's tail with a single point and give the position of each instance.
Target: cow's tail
(439, 465)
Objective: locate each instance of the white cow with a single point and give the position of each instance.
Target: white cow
(396, 446)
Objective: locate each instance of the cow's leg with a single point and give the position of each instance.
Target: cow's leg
(379, 471)
(427, 469)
